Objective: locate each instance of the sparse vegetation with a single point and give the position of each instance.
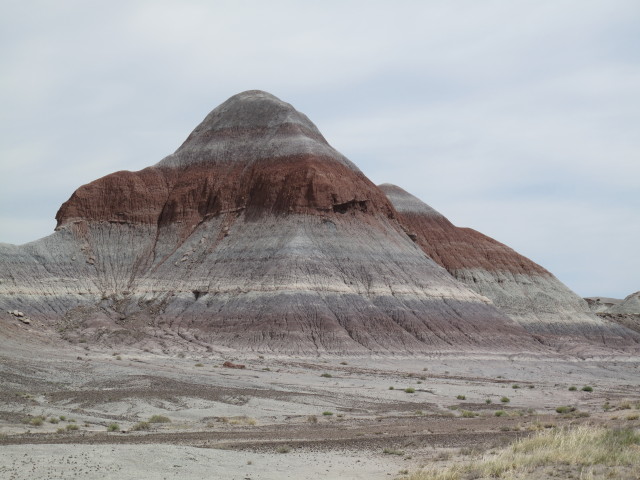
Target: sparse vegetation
(488, 401)
(633, 416)
(573, 388)
(469, 414)
(410, 390)
(113, 427)
(62, 418)
(581, 448)
(284, 449)
(72, 426)
(312, 419)
(461, 397)
(505, 400)
(159, 419)
(53, 420)
(587, 388)
(500, 413)
(515, 386)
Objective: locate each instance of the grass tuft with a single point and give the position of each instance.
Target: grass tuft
(141, 426)
(159, 419)
(392, 451)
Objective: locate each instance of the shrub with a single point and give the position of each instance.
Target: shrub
(60, 430)
(327, 414)
(312, 419)
(242, 420)
(62, 418)
(500, 413)
(284, 449)
(565, 409)
(199, 365)
(159, 419)
(326, 375)
(113, 427)
(633, 416)
(140, 426)
(505, 400)
(53, 420)
(72, 426)
(390, 388)
(468, 414)
(461, 397)
(573, 388)
(587, 388)
(392, 451)
(410, 390)
(343, 363)
(488, 401)
(515, 386)
(36, 421)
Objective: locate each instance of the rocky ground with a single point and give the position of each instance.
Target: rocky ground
(82, 411)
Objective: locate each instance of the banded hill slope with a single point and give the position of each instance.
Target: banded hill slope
(255, 234)
(517, 286)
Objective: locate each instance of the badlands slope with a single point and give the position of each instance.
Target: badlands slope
(522, 289)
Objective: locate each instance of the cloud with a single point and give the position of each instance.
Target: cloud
(518, 119)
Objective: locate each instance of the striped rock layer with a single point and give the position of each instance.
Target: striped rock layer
(520, 288)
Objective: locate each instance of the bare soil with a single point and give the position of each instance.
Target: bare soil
(266, 421)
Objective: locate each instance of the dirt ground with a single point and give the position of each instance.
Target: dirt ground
(280, 417)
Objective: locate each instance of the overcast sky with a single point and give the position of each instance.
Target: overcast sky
(520, 119)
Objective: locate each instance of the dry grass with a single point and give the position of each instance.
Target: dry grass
(159, 419)
(241, 420)
(584, 448)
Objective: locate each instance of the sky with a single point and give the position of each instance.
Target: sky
(520, 119)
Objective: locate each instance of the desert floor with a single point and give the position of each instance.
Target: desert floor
(281, 417)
